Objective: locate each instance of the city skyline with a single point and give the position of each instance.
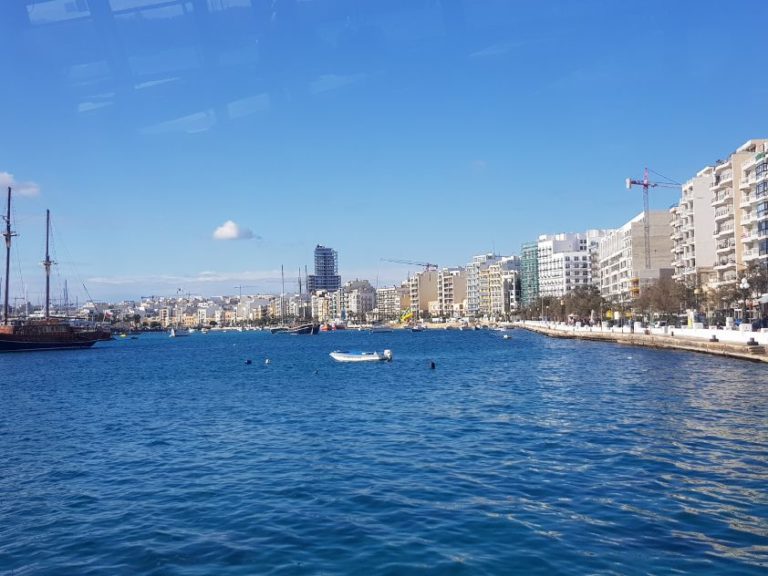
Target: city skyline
(172, 159)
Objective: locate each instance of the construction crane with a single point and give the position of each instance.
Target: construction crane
(427, 265)
(646, 183)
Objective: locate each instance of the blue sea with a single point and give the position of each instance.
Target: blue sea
(521, 456)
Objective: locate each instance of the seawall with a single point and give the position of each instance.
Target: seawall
(728, 343)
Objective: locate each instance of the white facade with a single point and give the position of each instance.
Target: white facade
(391, 302)
(753, 184)
(693, 228)
(566, 262)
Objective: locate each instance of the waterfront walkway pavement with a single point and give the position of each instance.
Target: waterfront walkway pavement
(732, 343)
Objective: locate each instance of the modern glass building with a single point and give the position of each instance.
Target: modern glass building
(529, 273)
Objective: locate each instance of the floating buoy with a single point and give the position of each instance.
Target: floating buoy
(267, 362)
(248, 361)
(432, 365)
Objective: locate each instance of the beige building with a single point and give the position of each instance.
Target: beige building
(693, 227)
(733, 216)
(451, 292)
(423, 290)
(622, 257)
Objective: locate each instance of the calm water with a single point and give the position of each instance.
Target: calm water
(529, 455)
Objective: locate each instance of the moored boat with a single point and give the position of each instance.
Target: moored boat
(310, 328)
(359, 356)
(47, 333)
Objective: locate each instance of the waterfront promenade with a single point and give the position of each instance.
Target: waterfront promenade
(731, 343)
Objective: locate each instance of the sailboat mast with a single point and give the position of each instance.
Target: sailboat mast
(8, 235)
(282, 294)
(301, 298)
(47, 263)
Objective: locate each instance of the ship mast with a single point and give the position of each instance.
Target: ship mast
(8, 234)
(47, 264)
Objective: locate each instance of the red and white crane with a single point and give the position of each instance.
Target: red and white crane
(646, 183)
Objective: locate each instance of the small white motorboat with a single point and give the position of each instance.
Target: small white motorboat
(348, 356)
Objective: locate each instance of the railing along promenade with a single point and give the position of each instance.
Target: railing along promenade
(723, 342)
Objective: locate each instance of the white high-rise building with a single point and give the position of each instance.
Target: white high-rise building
(565, 261)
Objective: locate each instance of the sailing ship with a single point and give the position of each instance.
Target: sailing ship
(47, 333)
(306, 328)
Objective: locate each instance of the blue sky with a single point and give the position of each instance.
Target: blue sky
(425, 130)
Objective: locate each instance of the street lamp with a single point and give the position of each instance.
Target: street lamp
(744, 285)
(562, 310)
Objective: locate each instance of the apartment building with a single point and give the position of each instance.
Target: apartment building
(565, 262)
(451, 292)
(693, 228)
(735, 218)
(621, 257)
(391, 301)
(753, 185)
(423, 290)
(358, 298)
(503, 287)
(473, 281)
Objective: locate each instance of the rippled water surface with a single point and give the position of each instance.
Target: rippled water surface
(527, 455)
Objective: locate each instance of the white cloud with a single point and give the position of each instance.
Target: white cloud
(20, 188)
(231, 231)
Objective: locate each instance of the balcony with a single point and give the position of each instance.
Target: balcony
(725, 247)
(723, 213)
(722, 198)
(748, 218)
(751, 254)
(746, 200)
(725, 230)
(725, 263)
(749, 236)
(745, 183)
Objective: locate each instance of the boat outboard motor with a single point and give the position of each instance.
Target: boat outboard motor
(388, 355)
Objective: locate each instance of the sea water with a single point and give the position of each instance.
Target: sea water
(523, 455)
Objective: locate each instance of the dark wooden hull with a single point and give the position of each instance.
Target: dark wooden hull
(48, 336)
(305, 329)
(8, 345)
